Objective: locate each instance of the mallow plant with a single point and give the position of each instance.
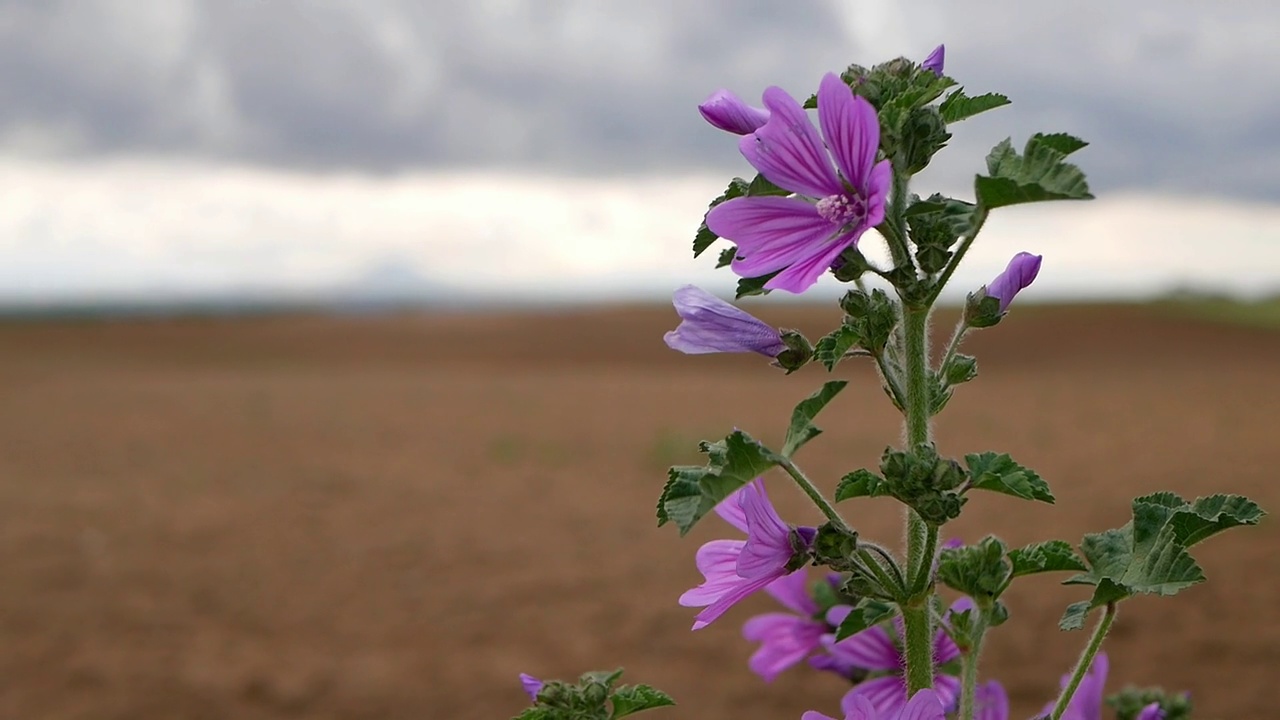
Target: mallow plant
(833, 172)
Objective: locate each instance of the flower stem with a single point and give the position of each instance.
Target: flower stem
(814, 494)
(979, 217)
(969, 668)
(921, 537)
(1086, 660)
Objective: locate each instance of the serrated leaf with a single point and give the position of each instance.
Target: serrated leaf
(762, 186)
(630, 699)
(704, 237)
(602, 677)
(692, 491)
(1105, 592)
(831, 348)
(536, 713)
(1062, 142)
(999, 473)
(1049, 556)
(959, 106)
(862, 483)
(1037, 175)
(868, 613)
(802, 429)
(753, 286)
(1211, 515)
(727, 256)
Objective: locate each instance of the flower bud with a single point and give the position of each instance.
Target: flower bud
(934, 62)
(1020, 273)
(728, 112)
(711, 325)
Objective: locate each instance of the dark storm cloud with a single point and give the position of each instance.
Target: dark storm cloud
(1174, 95)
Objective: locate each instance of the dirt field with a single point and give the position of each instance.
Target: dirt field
(392, 517)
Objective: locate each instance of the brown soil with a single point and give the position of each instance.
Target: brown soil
(392, 517)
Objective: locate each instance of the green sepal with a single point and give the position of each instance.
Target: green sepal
(850, 265)
(832, 347)
(980, 571)
(538, 713)
(631, 699)
(1038, 174)
(999, 473)
(1048, 556)
(693, 491)
(866, 614)
(920, 479)
(834, 547)
(798, 351)
(872, 316)
(958, 106)
(960, 369)
(982, 310)
(802, 430)
(1130, 701)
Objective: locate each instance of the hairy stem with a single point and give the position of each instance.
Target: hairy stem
(812, 491)
(969, 668)
(921, 536)
(1086, 660)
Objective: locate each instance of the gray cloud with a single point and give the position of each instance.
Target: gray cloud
(1176, 95)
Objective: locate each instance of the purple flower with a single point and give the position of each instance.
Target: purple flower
(734, 569)
(875, 650)
(728, 112)
(532, 685)
(785, 638)
(1020, 273)
(799, 237)
(710, 325)
(1151, 712)
(924, 705)
(1086, 703)
(934, 62)
(990, 702)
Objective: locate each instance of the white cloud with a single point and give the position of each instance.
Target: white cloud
(111, 228)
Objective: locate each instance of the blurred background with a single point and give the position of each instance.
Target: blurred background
(379, 408)
(546, 151)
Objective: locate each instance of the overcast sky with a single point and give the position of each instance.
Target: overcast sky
(553, 147)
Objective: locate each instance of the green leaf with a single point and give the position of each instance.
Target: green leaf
(536, 713)
(868, 613)
(753, 286)
(1211, 515)
(727, 256)
(761, 185)
(691, 491)
(630, 699)
(802, 429)
(704, 237)
(862, 483)
(960, 368)
(1038, 174)
(1106, 592)
(959, 106)
(600, 677)
(999, 473)
(1049, 556)
(831, 348)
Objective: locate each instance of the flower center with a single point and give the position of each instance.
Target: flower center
(842, 209)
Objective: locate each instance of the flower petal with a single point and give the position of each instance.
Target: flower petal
(713, 325)
(886, 694)
(788, 149)
(859, 708)
(935, 61)
(924, 705)
(730, 510)
(531, 684)
(878, 188)
(851, 129)
(768, 548)
(771, 232)
(871, 649)
(784, 641)
(728, 112)
(947, 688)
(801, 275)
(718, 562)
(729, 599)
(990, 702)
(793, 592)
(1151, 712)
(1021, 272)
(815, 715)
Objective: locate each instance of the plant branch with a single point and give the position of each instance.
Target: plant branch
(1086, 660)
(814, 494)
(980, 214)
